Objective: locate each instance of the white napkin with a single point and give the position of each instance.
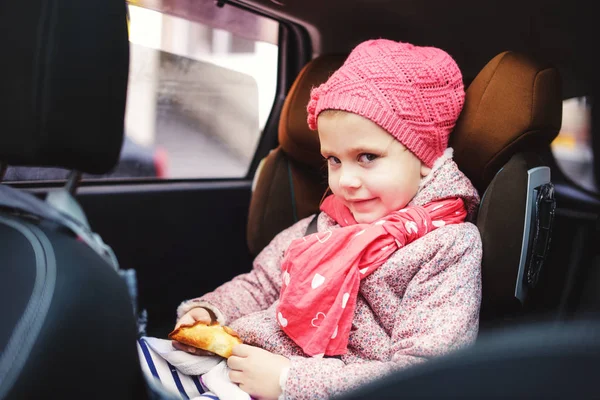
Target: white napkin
(217, 381)
(213, 369)
(186, 363)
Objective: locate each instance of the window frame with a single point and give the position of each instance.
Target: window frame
(294, 51)
(559, 177)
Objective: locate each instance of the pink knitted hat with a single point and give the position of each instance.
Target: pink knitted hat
(414, 93)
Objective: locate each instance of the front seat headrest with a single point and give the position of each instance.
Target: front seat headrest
(63, 83)
(513, 105)
(295, 138)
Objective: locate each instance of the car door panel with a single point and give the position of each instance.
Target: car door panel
(183, 239)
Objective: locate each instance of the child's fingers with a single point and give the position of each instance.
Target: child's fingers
(241, 350)
(187, 319)
(183, 347)
(235, 363)
(236, 376)
(194, 315)
(190, 349)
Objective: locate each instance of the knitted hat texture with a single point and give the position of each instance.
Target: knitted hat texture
(415, 93)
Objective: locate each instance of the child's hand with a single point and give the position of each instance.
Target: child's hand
(194, 315)
(257, 371)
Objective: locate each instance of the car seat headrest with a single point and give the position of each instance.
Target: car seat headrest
(513, 105)
(63, 92)
(295, 138)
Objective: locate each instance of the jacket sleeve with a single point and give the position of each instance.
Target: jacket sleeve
(252, 291)
(439, 313)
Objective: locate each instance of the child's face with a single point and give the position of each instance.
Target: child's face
(369, 170)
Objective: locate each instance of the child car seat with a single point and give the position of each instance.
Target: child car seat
(512, 108)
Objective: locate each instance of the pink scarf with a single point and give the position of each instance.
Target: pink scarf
(321, 272)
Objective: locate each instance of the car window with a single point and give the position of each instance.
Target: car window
(572, 148)
(199, 94)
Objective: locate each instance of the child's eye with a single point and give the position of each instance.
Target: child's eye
(367, 157)
(333, 160)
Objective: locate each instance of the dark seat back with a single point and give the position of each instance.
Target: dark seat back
(545, 361)
(68, 329)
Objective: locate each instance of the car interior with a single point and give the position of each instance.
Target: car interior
(68, 246)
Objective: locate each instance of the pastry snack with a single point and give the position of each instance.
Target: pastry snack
(214, 338)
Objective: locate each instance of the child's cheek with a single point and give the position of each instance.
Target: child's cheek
(333, 182)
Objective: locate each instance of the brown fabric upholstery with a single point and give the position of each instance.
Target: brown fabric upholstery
(295, 138)
(275, 204)
(513, 105)
(272, 204)
(500, 221)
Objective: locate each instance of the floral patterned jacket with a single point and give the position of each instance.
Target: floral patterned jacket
(422, 303)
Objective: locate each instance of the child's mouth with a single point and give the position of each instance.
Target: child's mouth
(361, 205)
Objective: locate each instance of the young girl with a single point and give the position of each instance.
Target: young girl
(392, 277)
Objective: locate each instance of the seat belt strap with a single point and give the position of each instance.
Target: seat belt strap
(62, 209)
(312, 225)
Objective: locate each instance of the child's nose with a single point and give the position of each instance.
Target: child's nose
(349, 179)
